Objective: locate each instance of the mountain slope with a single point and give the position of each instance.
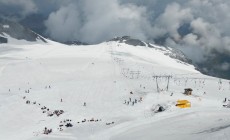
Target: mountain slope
(103, 76)
(9, 30)
(171, 52)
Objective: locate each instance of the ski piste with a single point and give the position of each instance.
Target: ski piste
(106, 91)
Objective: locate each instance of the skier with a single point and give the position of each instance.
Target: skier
(125, 102)
(84, 104)
(171, 94)
(133, 103)
(45, 131)
(225, 99)
(61, 100)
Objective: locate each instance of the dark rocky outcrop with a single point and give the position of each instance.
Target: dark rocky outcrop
(17, 31)
(3, 40)
(128, 40)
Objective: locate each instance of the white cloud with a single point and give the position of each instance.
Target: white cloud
(168, 22)
(97, 22)
(190, 39)
(64, 23)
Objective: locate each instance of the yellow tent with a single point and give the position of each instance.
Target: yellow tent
(183, 104)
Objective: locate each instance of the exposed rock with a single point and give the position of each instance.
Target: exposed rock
(130, 41)
(3, 40)
(17, 31)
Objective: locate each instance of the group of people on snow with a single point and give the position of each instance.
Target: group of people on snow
(46, 109)
(47, 131)
(66, 123)
(90, 120)
(131, 101)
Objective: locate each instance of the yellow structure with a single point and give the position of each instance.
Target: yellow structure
(183, 104)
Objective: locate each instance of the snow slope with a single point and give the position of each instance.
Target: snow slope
(103, 76)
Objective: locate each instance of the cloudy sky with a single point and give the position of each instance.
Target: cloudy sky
(195, 25)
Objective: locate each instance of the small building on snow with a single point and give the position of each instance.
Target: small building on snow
(188, 91)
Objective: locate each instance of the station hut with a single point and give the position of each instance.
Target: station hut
(188, 91)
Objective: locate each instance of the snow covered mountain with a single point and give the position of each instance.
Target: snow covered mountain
(107, 91)
(171, 52)
(14, 32)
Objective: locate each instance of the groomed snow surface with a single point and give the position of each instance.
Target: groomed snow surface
(62, 77)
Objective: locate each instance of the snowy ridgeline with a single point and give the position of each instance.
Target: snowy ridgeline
(107, 91)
